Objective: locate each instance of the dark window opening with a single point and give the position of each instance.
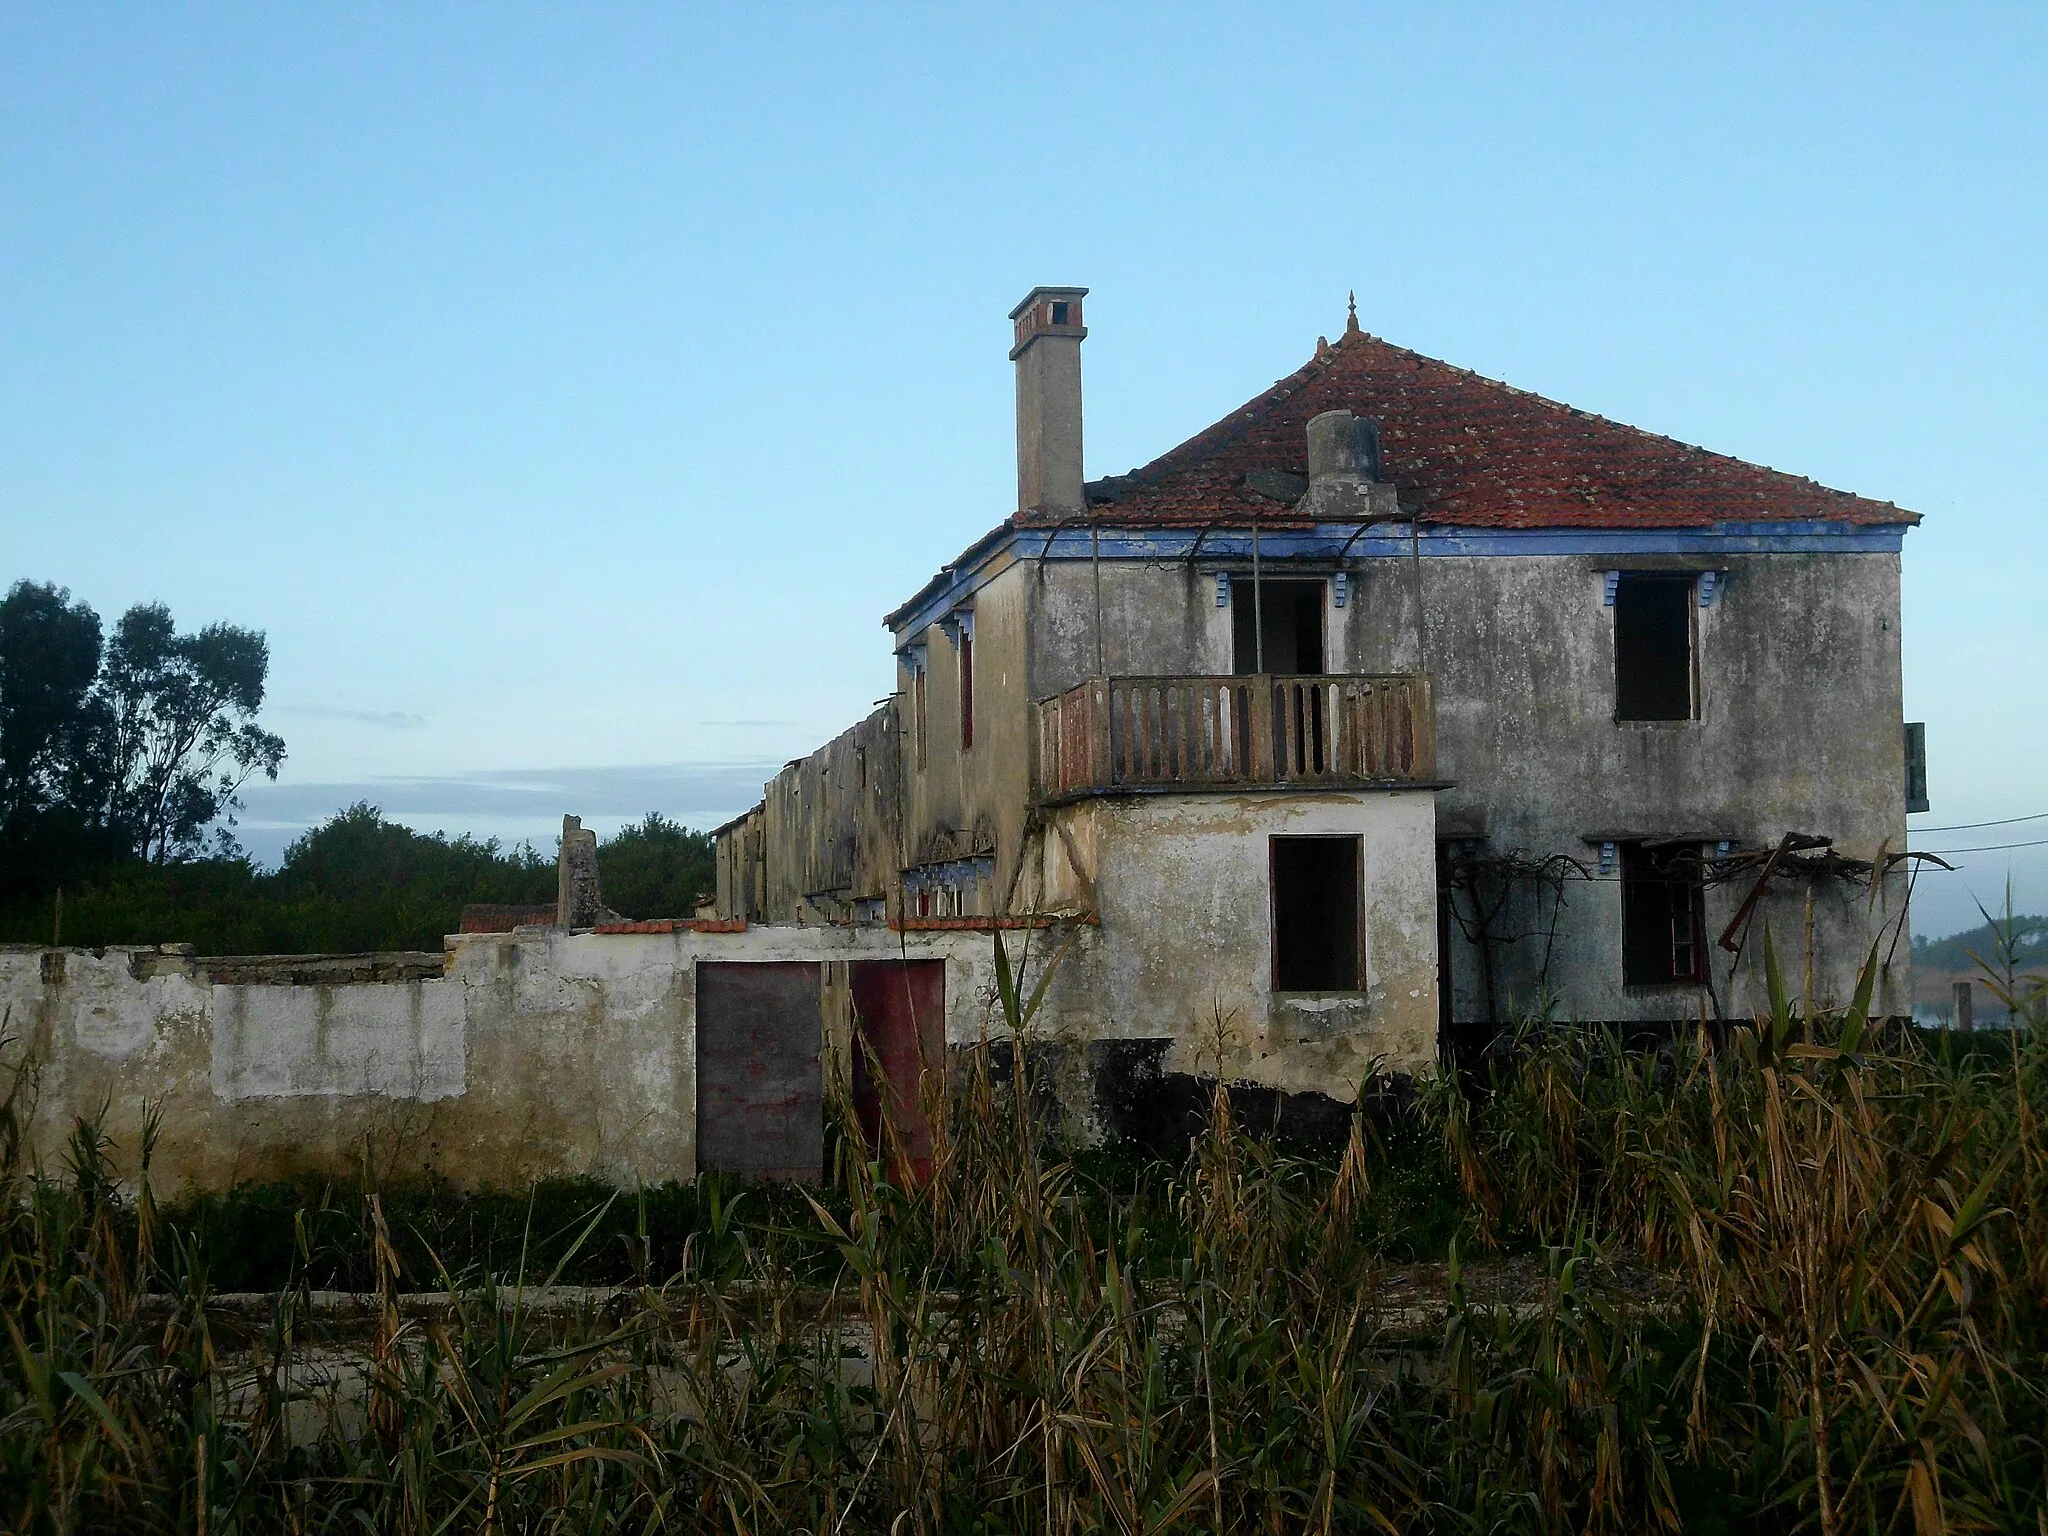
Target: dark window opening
(1059, 311)
(1287, 615)
(918, 711)
(1916, 766)
(1653, 647)
(966, 688)
(1315, 914)
(1663, 937)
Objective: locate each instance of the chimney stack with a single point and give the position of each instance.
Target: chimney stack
(1345, 482)
(1340, 443)
(1048, 359)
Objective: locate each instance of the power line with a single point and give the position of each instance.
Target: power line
(1986, 848)
(1971, 826)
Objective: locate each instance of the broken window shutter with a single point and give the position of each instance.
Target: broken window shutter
(1916, 765)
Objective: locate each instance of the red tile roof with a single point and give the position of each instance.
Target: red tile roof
(494, 917)
(1465, 450)
(674, 925)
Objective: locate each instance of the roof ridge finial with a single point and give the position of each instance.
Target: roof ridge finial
(1351, 324)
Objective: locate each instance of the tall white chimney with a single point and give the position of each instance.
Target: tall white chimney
(1048, 359)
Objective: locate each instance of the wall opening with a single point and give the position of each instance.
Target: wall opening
(1663, 937)
(1653, 647)
(920, 720)
(760, 1089)
(899, 1009)
(1315, 914)
(966, 689)
(1292, 614)
(1445, 982)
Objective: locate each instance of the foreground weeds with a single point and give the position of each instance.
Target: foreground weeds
(1842, 1329)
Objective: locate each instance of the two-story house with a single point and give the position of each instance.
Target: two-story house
(1396, 703)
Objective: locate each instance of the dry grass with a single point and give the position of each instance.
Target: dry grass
(1848, 1233)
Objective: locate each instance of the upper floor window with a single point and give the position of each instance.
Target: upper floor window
(1655, 669)
(966, 686)
(919, 719)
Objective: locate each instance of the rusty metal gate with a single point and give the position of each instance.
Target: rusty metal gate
(760, 1096)
(899, 1009)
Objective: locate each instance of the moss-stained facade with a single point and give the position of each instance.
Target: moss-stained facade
(1399, 536)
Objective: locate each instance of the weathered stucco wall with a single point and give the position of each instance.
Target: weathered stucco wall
(971, 801)
(827, 834)
(538, 1054)
(1798, 731)
(1158, 619)
(532, 1057)
(1185, 949)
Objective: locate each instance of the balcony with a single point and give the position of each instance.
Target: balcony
(1120, 735)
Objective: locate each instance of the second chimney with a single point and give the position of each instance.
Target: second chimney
(1048, 359)
(1345, 481)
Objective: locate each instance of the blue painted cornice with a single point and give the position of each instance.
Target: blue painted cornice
(999, 549)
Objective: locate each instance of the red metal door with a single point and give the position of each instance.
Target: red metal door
(760, 1094)
(899, 1009)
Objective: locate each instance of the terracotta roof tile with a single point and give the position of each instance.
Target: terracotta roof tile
(495, 917)
(1467, 450)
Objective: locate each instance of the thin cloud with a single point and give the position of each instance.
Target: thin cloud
(383, 719)
(512, 804)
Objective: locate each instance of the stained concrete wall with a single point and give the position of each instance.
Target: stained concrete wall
(1799, 730)
(1185, 949)
(532, 1057)
(537, 1054)
(967, 801)
(837, 830)
(829, 828)
(741, 867)
(1157, 619)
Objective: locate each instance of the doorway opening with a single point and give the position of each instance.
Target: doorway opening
(1282, 619)
(899, 1011)
(760, 1090)
(1315, 914)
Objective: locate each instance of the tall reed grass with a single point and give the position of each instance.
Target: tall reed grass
(1842, 1330)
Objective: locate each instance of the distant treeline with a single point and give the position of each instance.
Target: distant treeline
(1986, 946)
(357, 882)
(122, 758)
(133, 745)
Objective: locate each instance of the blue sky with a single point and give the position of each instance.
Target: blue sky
(567, 391)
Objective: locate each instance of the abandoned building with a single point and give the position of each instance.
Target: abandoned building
(1396, 705)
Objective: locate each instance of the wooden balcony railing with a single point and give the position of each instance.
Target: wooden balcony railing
(1127, 733)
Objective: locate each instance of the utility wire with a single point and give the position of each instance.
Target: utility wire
(1971, 826)
(1985, 848)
